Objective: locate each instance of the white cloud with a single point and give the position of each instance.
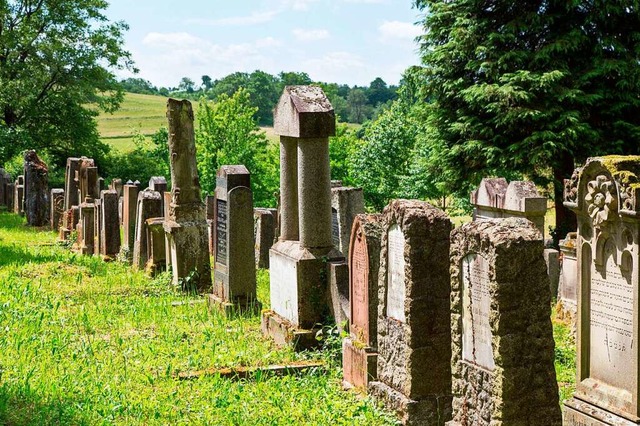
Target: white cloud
(390, 30)
(310, 35)
(335, 66)
(367, 1)
(253, 19)
(299, 5)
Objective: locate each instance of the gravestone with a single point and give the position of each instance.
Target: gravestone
(159, 183)
(88, 183)
(210, 208)
(264, 231)
(346, 203)
(149, 206)
(36, 190)
(552, 260)
(116, 185)
(359, 352)
(10, 194)
(110, 227)
(300, 262)
(503, 348)
(413, 320)
(156, 246)
(129, 214)
(167, 247)
(186, 225)
(5, 180)
(605, 196)
(18, 198)
(87, 227)
(97, 239)
(56, 208)
(567, 307)
(234, 278)
(71, 195)
(87, 180)
(495, 198)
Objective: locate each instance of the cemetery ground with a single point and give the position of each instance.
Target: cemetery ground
(88, 342)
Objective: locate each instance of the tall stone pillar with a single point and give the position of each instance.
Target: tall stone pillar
(186, 226)
(303, 260)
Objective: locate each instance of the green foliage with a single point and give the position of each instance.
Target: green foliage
(343, 148)
(227, 134)
(56, 62)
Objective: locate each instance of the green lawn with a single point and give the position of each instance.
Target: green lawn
(89, 342)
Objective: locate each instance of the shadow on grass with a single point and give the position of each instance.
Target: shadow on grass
(19, 407)
(14, 255)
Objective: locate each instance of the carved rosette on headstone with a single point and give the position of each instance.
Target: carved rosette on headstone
(186, 226)
(234, 278)
(304, 260)
(359, 356)
(503, 348)
(414, 333)
(605, 195)
(36, 190)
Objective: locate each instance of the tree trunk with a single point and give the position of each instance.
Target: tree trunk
(565, 219)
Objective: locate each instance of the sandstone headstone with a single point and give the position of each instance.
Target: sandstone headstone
(234, 283)
(159, 183)
(149, 206)
(10, 194)
(304, 119)
(97, 238)
(605, 196)
(264, 231)
(71, 195)
(413, 319)
(552, 260)
(36, 190)
(86, 228)
(359, 352)
(346, 203)
(156, 246)
(110, 228)
(503, 348)
(186, 225)
(117, 185)
(57, 208)
(129, 214)
(567, 307)
(18, 206)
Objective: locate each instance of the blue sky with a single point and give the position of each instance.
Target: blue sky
(342, 41)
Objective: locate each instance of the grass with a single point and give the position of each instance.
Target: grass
(88, 342)
(565, 357)
(144, 114)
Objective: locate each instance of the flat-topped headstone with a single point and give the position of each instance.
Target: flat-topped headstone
(97, 239)
(156, 246)
(604, 195)
(36, 190)
(86, 228)
(503, 348)
(10, 194)
(346, 203)
(110, 227)
(304, 112)
(264, 230)
(56, 208)
(71, 197)
(359, 356)
(18, 198)
(413, 321)
(495, 198)
(186, 225)
(158, 183)
(149, 206)
(129, 214)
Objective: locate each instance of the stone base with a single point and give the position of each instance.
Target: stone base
(231, 309)
(580, 413)
(425, 412)
(284, 333)
(189, 255)
(359, 364)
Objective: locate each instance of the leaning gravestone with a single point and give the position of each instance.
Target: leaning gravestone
(186, 225)
(36, 190)
(234, 278)
(503, 348)
(359, 356)
(605, 195)
(414, 332)
(304, 119)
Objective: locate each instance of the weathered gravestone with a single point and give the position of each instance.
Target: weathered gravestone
(97, 238)
(57, 207)
(346, 203)
(605, 195)
(186, 225)
(10, 196)
(264, 231)
(36, 190)
(110, 226)
(71, 195)
(129, 213)
(87, 228)
(359, 356)
(210, 213)
(5, 180)
(149, 206)
(495, 198)
(155, 246)
(567, 307)
(18, 198)
(503, 348)
(414, 332)
(234, 278)
(304, 119)
(159, 183)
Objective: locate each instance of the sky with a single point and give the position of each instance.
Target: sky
(335, 41)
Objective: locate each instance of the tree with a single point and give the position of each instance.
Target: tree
(187, 85)
(529, 87)
(206, 82)
(379, 92)
(138, 85)
(56, 63)
(264, 94)
(228, 134)
(357, 103)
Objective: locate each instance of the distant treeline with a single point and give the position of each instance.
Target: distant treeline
(353, 104)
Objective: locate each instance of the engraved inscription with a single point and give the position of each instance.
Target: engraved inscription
(395, 274)
(221, 232)
(476, 305)
(611, 325)
(359, 265)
